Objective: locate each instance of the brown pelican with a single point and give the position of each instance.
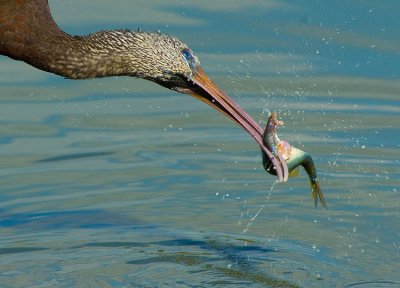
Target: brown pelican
(29, 33)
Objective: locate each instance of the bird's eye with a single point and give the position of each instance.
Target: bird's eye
(189, 57)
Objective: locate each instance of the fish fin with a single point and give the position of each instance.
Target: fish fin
(317, 194)
(294, 173)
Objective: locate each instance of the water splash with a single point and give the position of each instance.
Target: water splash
(254, 217)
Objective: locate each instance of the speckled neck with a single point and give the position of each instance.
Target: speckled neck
(29, 33)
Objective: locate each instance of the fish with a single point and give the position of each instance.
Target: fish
(293, 157)
(269, 139)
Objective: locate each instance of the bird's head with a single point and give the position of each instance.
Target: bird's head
(170, 63)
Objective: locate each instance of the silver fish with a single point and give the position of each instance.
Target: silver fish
(294, 157)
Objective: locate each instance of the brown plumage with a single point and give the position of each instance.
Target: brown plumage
(29, 33)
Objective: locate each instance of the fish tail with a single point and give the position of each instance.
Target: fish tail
(317, 194)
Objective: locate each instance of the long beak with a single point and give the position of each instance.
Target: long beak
(205, 90)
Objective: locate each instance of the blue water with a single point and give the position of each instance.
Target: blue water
(121, 183)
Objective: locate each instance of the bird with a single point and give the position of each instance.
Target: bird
(29, 33)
